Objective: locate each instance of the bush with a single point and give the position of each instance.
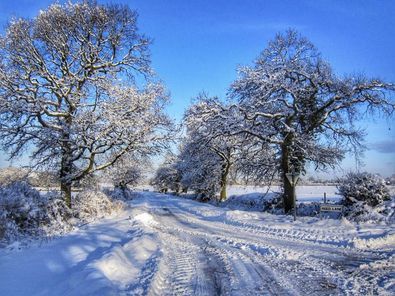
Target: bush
(21, 210)
(363, 187)
(365, 197)
(269, 202)
(24, 212)
(89, 205)
(43, 179)
(57, 215)
(120, 194)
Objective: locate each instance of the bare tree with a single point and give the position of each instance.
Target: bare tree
(292, 101)
(67, 88)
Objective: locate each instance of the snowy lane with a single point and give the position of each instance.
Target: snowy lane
(164, 245)
(252, 259)
(205, 264)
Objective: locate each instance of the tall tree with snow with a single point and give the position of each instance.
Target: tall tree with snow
(128, 170)
(68, 88)
(200, 169)
(168, 176)
(205, 130)
(292, 100)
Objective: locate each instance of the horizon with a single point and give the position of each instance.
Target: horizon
(198, 46)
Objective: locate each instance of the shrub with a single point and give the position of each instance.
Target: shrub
(365, 197)
(21, 210)
(44, 179)
(25, 214)
(363, 187)
(89, 205)
(57, 215)
(118, 194)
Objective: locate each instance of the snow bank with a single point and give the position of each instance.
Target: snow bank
(106, 257)
(145, 219)
(385, 242)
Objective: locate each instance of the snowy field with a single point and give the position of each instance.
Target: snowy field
(164, 245)
(303, 193)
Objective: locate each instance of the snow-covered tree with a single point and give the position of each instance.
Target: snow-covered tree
(128, 170)
(200, 168)
(68, 88)
(168, 176)
(256, 163)
(204, 127)
(192, 168)
(292, 101)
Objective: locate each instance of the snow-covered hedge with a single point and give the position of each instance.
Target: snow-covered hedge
(253, 202)
(361, 212)
(119, 194)
(366, 197)
(57, 215)
(90, 205)
(363, 187)
(25, 213)
(271, 202)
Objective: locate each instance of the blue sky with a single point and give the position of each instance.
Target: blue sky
(199, 44)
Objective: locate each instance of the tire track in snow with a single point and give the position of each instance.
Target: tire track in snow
(187, 269)
(318, 265)
(193, 256)
(325, 260)
(249, 259)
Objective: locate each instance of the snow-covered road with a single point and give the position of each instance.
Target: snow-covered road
(164, 245)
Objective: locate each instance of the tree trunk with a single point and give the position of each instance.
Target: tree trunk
(65, 187)
(224, 181)
(122, 185)
(177, 188)
(66, 167)
(288, 195)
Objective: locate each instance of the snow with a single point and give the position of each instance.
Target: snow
(304, 193)
(385, 242)
(145, 219)
(165, 245)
